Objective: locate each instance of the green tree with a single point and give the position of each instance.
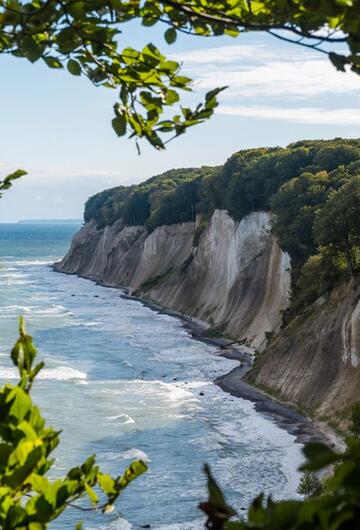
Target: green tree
(294, 206)
(337, 223)
(309, 485)
(86, 38)
(137, 208)
(177, 206)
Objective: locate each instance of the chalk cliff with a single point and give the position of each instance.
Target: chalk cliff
(314, 362)
(232, 274)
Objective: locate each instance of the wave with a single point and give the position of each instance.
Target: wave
(136, 453)
(54, 309)
(33, 262)
(21, 308)
(85, 324)
(127, 420)
(60, 373)
(171, 391)
(119, 524)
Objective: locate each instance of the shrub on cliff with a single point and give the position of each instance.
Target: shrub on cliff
(309, 485)
(355, 419)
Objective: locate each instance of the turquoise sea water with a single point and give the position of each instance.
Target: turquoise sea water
(124, 381)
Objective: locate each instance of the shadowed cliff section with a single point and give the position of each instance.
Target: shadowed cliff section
(314, 362)
(237, 278)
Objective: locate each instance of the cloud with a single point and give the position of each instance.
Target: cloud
(306, 115)
(268, 71)
(296, 79)
(224, 54)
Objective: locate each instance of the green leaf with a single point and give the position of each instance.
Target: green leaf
(171, 97)
(31, 48)
(74, 67)
(136, 468)
(318, 456)
(216, 508)
(53, 62)
(8, 180)
(170, 35)
(91, 493)
(119, 125)
(213, 93)
(339, 61)
(106, 483)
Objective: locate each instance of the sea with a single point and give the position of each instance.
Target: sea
(126, 382)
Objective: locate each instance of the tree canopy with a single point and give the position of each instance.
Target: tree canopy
(85, 36)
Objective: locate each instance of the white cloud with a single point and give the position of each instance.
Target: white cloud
(298, 79)
(306, 115)
(224, 54)
(260, 71)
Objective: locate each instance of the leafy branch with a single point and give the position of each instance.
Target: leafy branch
(85, 37)
(28, 499)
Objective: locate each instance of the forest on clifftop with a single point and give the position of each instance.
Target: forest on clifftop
(311, 187)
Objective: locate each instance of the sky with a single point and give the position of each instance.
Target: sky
(58, 127)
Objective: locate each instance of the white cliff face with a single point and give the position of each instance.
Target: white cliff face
(164, 250)
(351, 336)
(229, 247)
(314, 361)
(237, 277)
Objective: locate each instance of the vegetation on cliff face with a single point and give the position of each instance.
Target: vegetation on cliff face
(312, 188)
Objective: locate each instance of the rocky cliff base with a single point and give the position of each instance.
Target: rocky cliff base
(314, 362)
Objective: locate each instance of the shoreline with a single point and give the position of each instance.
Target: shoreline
(301, 427)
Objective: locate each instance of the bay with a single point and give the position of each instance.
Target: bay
(126, 382)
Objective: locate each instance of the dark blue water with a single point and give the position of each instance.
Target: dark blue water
(125, 382)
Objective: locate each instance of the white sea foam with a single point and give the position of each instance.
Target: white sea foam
(26, 262)
(17, 308)
(126, 419)
(136, 454)
(119, 524)
(52, 310)
(60, 373)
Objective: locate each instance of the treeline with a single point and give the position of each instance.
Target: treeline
(312, 188)
(165, 199)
